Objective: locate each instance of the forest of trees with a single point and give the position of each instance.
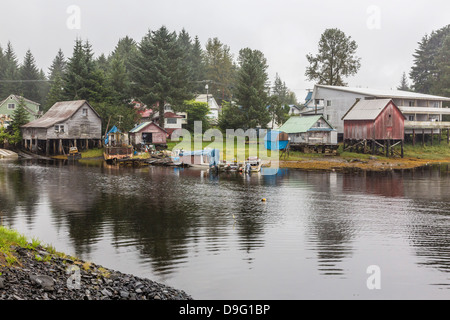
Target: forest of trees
(170, 67)
(163, 67)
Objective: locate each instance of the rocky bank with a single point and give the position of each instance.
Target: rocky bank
(41, 275)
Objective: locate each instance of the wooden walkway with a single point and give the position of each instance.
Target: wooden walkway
(7, 154)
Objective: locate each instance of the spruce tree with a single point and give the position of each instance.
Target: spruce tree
(58, 66)
(404, 86)
(197, 66)
(425, 71)
(30, 75)
(160, 75)
(220, 68)
(252, 88)
(10, 73)
(19, 117)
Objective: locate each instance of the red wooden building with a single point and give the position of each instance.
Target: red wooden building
(371, 125)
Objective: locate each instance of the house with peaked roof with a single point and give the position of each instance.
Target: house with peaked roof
(309, 130)
(213, 114)
(172, 121)
(66, 124)
(423, 112)
(147, 133)
(9, 105)
(370, 124)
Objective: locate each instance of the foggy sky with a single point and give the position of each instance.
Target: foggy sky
(386, 32)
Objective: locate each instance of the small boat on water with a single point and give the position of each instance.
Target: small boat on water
(74, 154)
(253, 164)
(113, 153)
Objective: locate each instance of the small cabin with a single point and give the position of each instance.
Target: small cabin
(66, 124)
(309, 130)
(374, 123)
(148, 133)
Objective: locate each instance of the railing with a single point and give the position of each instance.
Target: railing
(427, 124)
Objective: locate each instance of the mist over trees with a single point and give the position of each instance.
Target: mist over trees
(430, 72)
(164, 67)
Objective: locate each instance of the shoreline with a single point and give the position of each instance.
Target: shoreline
(41, 274)
(358, 164)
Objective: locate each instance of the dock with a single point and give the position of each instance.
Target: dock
(8, 154)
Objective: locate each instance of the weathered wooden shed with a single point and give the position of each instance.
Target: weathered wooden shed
(148, 133)
(66, 124)
(373, 124)
(306, 133)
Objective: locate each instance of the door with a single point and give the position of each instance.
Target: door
(147, 137)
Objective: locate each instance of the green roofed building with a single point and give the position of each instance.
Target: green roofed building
(10, 104)
(309, 130)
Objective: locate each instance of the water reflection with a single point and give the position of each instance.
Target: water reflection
(160, 220)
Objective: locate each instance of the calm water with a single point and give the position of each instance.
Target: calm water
(213, 237)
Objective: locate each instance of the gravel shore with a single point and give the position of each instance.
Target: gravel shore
(41, 275)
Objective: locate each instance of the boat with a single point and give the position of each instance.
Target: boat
(114, 153)
(74, 154)
(205, 159)
(253, 164)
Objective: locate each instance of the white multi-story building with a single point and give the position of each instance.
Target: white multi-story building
(423, 112)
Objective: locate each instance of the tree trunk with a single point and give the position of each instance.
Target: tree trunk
(161, 114)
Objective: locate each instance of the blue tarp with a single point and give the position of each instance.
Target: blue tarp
(271, 141)
(213, 155)
(113, 130)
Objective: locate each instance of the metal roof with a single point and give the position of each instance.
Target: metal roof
(366, 109)
(398, 94)
(59, 112)
(301, 124)
(142, 125)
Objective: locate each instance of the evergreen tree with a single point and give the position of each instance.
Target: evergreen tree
(404, 83)
(441, 86)
(197, 66)
(19, 117)
(251, 88)
(335, 60)
(280, 90)
(425, 72)
(220, 68)
(126, 49)
(118, 79)
(82, 79)
(30, 74)
(56, 92)
(58, 66)
(10, 73)
(159, 72)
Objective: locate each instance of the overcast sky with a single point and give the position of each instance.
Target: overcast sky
(386, 32)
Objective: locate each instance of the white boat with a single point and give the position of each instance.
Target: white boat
(253, 164)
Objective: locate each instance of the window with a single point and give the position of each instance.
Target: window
(59, 128)
(411, 103)
(84, 112)
(171, 120)
(328, 103)
(328, 117)
(11, 106)
(411, 118)
(318, 124)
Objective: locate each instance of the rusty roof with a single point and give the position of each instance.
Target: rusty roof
(59, 112)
